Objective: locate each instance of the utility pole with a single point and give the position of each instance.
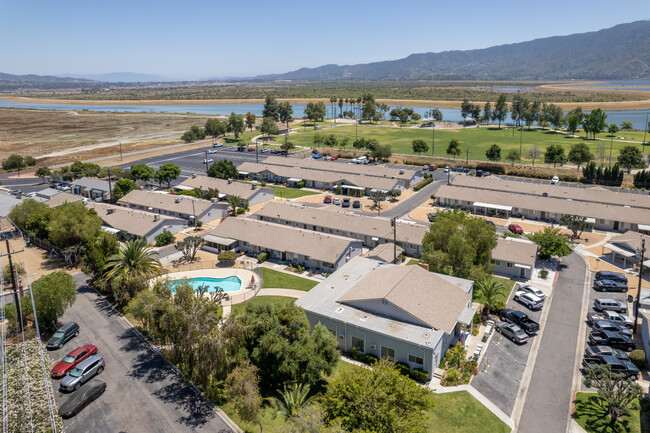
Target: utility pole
(393, 222)
(120, 151)
(206, 165)
(467, 158)
(645, 130)
(521, 133)
(14, 283)
(257, 159)
(110, 188)
(640, 253)
(611, 143)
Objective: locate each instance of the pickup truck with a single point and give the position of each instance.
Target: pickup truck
(612, 339)
(520, 319)
(611, 316)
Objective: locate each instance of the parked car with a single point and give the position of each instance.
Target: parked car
(82, 373)
(208, 161)
(611, 316)
(622, 366)
(327, 199)
(346, 202)
(516, 228)
(555, 180)
(275, 151)
(356, 204)
(265, 150)
(529, 300)
(446, 169)
(336, 201)
(64, 187)
(212, 151)
(251, 149)
(431, 216)
(609, 275)
(240, 148)
(594, 351)
(609, 304)
(605, 325)
(353, 161)
(63, 335)
(520, 319)
(72, 359)
(217, 144)
(433, 167)
(80, 399)
(317, 156)
(334, 158)
(609, 286)
(532, 289)
(612, 339)
(513, 332)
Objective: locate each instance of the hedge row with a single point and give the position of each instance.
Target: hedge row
(423, 183)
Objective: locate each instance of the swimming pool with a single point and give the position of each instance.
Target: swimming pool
(228, 284)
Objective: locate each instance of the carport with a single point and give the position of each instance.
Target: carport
(499, 209)
(293, 181)
(355, 191)
(618, 251)
(220, 243)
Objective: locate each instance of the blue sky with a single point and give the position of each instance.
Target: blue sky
(199, 39)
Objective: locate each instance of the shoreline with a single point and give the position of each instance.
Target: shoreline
(643, 104)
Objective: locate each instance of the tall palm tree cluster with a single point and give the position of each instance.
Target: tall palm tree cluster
(128, 272)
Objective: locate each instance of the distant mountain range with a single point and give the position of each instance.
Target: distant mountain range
(123, 77)
(620, 52)
(31, 78)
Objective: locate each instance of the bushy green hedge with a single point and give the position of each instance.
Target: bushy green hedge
(422, 184)
(368, 358)
(261, 258)
(300, 184)
(420, 375)
(228, 256)
(638, 358)
(164, 238)
(240, 211)
(403, 368)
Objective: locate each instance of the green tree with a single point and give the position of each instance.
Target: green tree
(493, 153)
(166, 173)
(293, 399)
(215, 127)
(419, 146)
(122, 187)
(98, 249)
(43, 172)
(285, 112)
(381, 152)
(189, 136)
(141, 172)
(554, 154)
(127, 271)
(242, 386)
(595, 122)
(490, 293)
(459, 244)
(73, 224)
(310, 420)
(315, 111)
(534, 152)
(234, 202)
(190, 246)
(500, 109)
(13, 162)
(271, 108)
(626, 125)
(268, 127)
(575, 223)
(630, 157)
(164, 238)
(487, 112)
(612, 129)
(618, 391)
(250, 120)
(236, 124)
(345, 141)
(580, 154)
(377, 197)
(30, 161)
(454, 147)
(513, 155)
(551, 243)
(572, 123)
(223, 169)
(32, 217)
(377, 400)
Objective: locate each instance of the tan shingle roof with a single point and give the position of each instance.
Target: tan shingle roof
(63, 197)
(414, 290)
(168, 202)
(385, 252)
(232, 188)
(515, 251)
(632, 240)
(345, 221)
(319, 246)
(136, 222)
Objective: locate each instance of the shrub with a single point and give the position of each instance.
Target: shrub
(300, 184)
(420, 375)
(199, 223)
(354, 353)
(476, 319)
(475, 331)
(451, 377)
(240, 211)
(543, 273)
(369, 358)
(164, 238)
(422, 184)
(261, 258)
(228, 256)
(492, 168)
(262, 183)
(403, 368)
(638, 358)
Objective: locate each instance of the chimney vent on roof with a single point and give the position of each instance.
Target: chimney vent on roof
(545, 194)
(177, 200)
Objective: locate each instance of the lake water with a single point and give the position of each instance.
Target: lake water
(637, 117)
(639, 85)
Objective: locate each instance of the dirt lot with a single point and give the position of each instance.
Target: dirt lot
(54, 135)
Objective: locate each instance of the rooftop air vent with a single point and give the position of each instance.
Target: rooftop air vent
(364, 318)
(339, 310)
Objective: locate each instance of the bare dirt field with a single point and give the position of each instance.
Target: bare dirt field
(54, 135)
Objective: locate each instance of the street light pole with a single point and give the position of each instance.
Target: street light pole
(257, 156)
(521, 134)
(645, 130)
(638, 292)
(206, 162)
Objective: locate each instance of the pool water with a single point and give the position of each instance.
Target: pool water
(228, 284)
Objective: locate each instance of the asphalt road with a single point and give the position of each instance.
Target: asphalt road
(549, 394)
(143, 394)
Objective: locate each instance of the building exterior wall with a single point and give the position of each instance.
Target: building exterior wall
(260, 197)
(505, 268)
(172, 226)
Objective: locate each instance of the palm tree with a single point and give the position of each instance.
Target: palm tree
(133, 264)
(490, 293)
(234, 201)
(293, 399)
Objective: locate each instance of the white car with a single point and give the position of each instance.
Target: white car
(529, 300)
(555, 180)
(212, 151)
(217, 145)
(353, 161)
(336, 201)
(532, 289)
(265, 150)
(446, 170)
(208, 161)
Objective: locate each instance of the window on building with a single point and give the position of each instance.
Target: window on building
(332, 331)
(416, 360)
(509, 264)
(359, 343)
(387, 353)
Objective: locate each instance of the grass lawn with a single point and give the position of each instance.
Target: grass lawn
(460, 412)
(413, 262)
(280, 280)
(280, 191)
(263, 300)
(509, 284)
(477, 140)
(590, 413)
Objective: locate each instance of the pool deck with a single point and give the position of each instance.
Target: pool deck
(247, 291)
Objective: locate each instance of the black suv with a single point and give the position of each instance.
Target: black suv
(609, 275)
(520, 319)
(622, 366)
(63, 335)
(610, 286)
(612, 339)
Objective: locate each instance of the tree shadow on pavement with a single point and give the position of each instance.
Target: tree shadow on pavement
(184, 398)
(148, 365)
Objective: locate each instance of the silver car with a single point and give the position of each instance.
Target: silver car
(83, 372)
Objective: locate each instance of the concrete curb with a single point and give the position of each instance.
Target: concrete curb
(217, 410)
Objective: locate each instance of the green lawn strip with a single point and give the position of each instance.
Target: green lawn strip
(413, 262)
(460, 412)
(591, 414)
(282, 192)
(263, 300)
(477, 140)
(506, 282)
(274, 280)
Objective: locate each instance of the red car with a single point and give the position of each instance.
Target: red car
(251, 149)
(327, 199)
(72, 359)
(516, 228)
(334, 158)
